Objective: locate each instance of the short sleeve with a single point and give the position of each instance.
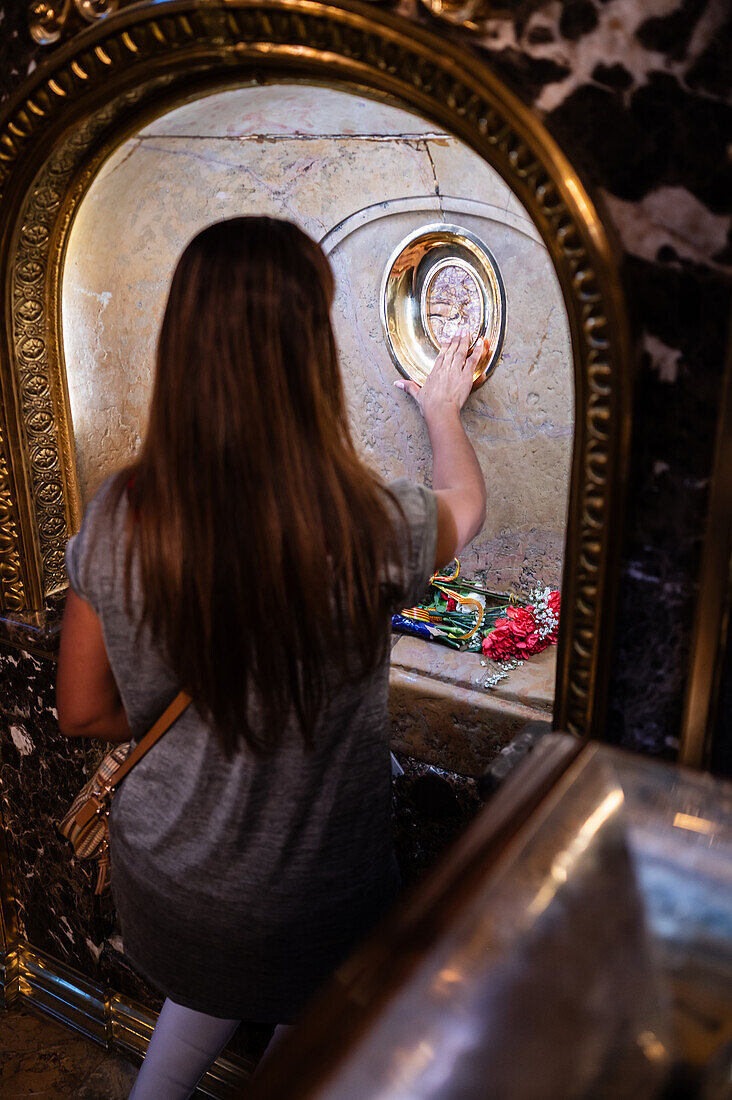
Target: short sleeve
(419, 506)
(74, 564)
(87, 551)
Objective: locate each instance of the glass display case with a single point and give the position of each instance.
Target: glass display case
(578, 943)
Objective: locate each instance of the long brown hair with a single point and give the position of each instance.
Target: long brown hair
(261, 536)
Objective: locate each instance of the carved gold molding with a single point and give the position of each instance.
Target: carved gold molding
(11, 572)
(51, 20)
(97, 88)
(36, 328)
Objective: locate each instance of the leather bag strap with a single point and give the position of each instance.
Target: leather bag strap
(163, 724)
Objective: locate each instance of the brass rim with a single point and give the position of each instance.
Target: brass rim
(408, 275)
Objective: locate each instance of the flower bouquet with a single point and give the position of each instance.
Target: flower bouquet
(464, 615)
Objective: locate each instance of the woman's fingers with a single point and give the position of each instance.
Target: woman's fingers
(451, 377)
(440, 358)
(462, 348)
(444, 355)
(481, 347)
(408, 386)
(452, 350)
(456, 351)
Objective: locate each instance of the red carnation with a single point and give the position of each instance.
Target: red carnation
(525, 630)
(517, 636)
(499, 645)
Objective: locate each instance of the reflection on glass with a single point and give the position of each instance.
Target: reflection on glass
(693, 823)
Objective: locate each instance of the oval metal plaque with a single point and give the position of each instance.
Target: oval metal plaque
(440, 279)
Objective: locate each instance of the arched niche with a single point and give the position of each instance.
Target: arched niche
(110, 80)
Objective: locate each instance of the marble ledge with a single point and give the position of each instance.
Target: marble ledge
(442, 714)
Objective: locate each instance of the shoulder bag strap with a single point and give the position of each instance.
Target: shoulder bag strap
(164, 722)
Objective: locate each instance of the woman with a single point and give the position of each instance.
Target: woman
(250, 556)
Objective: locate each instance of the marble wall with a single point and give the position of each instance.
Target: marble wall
(358, 175)
(40, 774)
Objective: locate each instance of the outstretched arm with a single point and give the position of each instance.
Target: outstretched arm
(457, 477)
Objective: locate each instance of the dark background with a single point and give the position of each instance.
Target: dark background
(638, 95)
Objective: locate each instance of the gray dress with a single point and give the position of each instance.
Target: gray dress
(242, 884)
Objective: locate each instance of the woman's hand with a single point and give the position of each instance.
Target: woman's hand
(450, 381)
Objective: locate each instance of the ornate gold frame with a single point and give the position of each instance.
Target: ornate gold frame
(104, 82)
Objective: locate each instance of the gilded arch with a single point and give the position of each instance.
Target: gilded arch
(104, 82)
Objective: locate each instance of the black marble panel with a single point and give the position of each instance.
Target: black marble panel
(642, 104)
(432, 807)
(35, 632)
(40, 774)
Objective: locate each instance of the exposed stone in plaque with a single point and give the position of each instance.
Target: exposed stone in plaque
(454, 302)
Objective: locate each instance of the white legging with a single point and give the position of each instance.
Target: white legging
(182, 1047)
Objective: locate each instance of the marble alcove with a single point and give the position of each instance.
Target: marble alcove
(358, 174)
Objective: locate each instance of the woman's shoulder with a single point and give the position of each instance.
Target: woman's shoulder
(92, 553)
(416, 502)
(106, 512)
(108, 498)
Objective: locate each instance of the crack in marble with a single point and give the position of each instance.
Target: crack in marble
(255, 177)
(214, 161)
(406, 137)
(438, 193)
(543, 340)
(111, 166)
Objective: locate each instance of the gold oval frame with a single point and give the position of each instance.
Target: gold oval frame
(405, 284)
(105, 82)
